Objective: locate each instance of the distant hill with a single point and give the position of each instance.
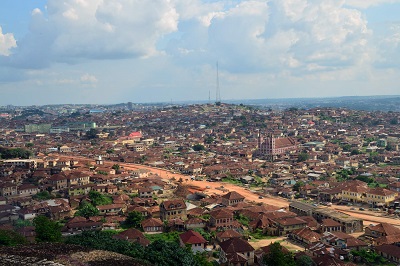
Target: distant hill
(367, 103)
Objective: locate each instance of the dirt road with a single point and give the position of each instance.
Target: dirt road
(249, 195)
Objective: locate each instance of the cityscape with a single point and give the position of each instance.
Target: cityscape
(235, 183)
(199, 133)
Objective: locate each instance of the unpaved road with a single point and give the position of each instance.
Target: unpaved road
(368, 217)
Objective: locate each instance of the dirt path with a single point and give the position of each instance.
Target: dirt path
(249, 195)
(212, 190)
(256, 244)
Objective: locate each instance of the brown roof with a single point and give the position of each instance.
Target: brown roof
(133, 234)
(385, 229)
(221, 213)
(229, 233)
(235, 245)
(233, 195)
(152, 222)
(392, 250)
(176, 204)
(330, 222)
(192, 237)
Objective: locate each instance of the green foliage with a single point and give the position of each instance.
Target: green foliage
(208, 235)
(298, 185)
(369, 256)
(344, 174)
(92, 133)
(87, 210)
(11, 238)
(277, 257)
(355, 152)
(43, 195)
(159, 252)
(46, 230)
(304, 261)
(29, 144)
(102, 172)
(346, 147)
(134, 220)
(116, 167)
(168, 237)
(231, 180)
(22, 223)
(257, 234)
(209, 140)
(242, 219)
(11, 153)
(99, 199)
(103, 240)
(302, 157)
(198, 147)
(394, 121)
(365, 179)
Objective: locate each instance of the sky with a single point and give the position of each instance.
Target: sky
(113, 51)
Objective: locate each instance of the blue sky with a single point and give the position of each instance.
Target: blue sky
(94, 51)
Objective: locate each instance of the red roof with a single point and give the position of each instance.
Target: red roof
(192, 237)
(135, 134)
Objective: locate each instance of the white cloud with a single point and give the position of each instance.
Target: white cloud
(368, 3)
(87, 78)
(73, 30)
(7, 41)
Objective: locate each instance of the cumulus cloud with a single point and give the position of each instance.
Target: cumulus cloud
(276, 35)
(87, 78)
(72, 30)
(7, 41)
(369, 3)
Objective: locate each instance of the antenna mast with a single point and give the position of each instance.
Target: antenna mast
(217, 93)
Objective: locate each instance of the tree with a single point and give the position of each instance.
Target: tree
(43, 195)
(302, 157)
(99, 199)
(87, 210)
(11, 238)
(116, 167)
(298, 185)
(277, 257)
(134, 219)
(198, 147)
(92, 133)
(304, 261)
(46, 229)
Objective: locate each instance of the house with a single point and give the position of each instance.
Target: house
(236, 251)
(305, 235)
(133, 235)
(284, 226)
(194, 239)
(227, 234)
(77, 226)
(27, 190)
(222, 219)
(383, 233)
(145, 192)
(152, 225)
(390, 252)
(193, 223)
(232, 198)
(329, 225)
(111, 209)
(58, 181)
(8, 189)
(380, 196)
(172, 209)
(354, 193)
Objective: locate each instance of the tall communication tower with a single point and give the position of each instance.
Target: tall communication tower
(217, 92)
